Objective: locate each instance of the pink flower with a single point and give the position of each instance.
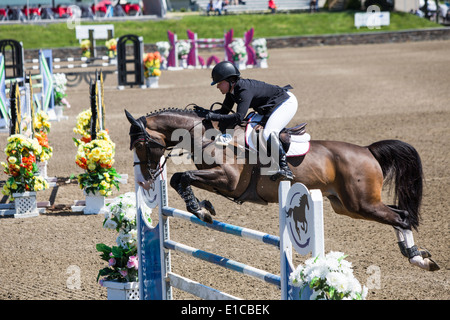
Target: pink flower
(133, 263)
(65, 102)
(124, 273)
(111, 262)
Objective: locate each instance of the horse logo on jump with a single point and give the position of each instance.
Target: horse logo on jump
(298, 214)
(300, 218)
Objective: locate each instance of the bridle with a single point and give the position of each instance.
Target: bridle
(145, 136)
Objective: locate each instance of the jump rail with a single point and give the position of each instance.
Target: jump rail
(154, 244)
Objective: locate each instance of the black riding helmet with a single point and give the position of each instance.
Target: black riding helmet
(223, 70)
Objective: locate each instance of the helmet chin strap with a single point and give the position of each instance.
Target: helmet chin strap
(231, 85)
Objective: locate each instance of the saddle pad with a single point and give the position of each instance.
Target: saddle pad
(299, 144)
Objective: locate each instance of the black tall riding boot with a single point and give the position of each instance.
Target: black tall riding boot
(284, 172)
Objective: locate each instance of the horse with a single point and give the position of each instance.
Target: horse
(350, 176)
(299, 215)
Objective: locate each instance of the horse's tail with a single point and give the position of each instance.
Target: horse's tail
(401, 163)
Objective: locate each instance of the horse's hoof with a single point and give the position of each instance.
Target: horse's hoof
(432, 265)
(203, 215)
(427, 263)
(208, 206)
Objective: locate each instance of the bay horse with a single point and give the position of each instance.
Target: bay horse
(350, 176)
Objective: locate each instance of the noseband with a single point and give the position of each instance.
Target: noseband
(143, 135)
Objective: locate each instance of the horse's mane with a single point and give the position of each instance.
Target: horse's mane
(172, 110)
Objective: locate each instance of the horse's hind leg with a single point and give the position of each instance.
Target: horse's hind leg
(399, 220)
(417, 256)
(392, 216)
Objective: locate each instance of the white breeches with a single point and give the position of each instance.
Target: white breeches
(281, 116)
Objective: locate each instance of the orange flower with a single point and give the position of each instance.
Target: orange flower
(86, 139)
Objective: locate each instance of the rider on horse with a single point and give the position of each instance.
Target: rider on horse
(275, 103)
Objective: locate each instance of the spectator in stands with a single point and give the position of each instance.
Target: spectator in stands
(272, 6)
(218, 7)
(225, 3)
(313, 6)
(210, 7)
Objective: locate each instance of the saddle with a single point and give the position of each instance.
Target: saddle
(295, 140)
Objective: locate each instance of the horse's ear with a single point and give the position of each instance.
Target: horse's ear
(130, 118)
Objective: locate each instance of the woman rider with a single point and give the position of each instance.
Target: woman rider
(275, 103)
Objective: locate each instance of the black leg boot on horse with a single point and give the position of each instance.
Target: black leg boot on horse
(201, 209)
(276, 152)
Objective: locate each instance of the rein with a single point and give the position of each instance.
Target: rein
(147, 139)
(154, 173)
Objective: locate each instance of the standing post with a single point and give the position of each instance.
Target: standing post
(301, 227)
(150, 246)
(285, 242)
(3, 107)
(164, 234)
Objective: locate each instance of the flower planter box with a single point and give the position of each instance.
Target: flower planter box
(95, 203)
(183, 63)
(122, 290)
(262, 63)
(241, 65)
(58, 114)
(152, 82)
(25, 205)
(42, 167)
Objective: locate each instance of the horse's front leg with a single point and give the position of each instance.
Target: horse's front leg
(205, 179)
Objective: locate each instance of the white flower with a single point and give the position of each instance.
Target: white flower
(338, 281)
(183, 47)
(129, 213)
(329, 277)
(238, 47)
(260, 47)
(123, 239)
(163, 48)
(110, 224)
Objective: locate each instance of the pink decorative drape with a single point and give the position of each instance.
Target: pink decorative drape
(172, 58)
(251, 54)
(192, 55)
(228, 38)
(212, 59)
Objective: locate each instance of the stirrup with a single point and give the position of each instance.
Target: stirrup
(283, 174)
(223, 139)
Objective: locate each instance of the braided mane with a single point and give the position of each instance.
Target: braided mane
(174, 110)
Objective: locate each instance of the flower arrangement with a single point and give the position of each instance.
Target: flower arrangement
(330, 278)
(152, 64)
(183, 48)
(111, 46)
(260, 46)
(239, 50)
(41, 130)
(59, 90)
(122, 259)
(21, 166)
(83, 126)
(163, 49)
(85, 46)
(97, 158)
